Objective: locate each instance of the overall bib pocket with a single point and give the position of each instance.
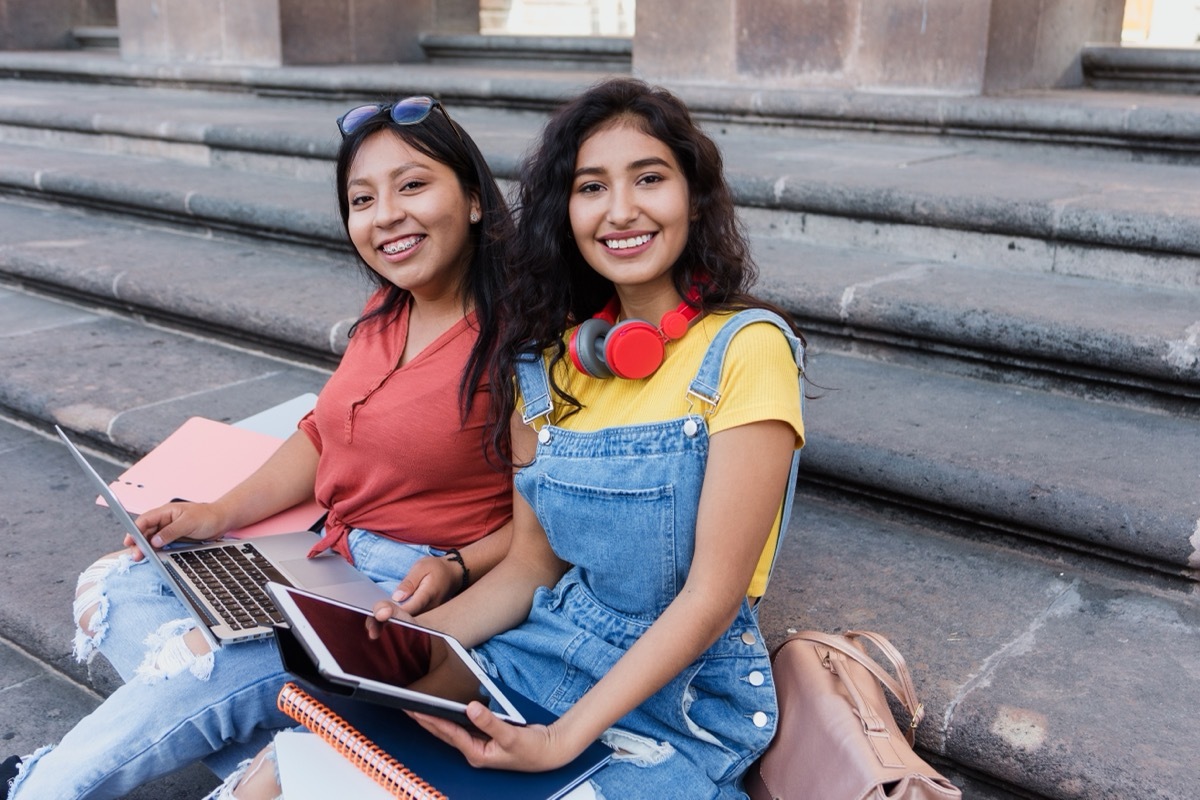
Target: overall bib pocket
(597, 529)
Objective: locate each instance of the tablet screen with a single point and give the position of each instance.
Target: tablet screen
(399, 655)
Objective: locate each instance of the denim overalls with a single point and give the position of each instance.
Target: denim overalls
(620, 504)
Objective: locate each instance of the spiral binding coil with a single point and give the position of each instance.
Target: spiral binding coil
(361, 752)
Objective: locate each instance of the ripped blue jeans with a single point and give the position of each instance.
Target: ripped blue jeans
(175, 707)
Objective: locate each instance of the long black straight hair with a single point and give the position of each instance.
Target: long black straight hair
(486, 276)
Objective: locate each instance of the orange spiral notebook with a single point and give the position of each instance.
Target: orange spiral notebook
(362, 753)
(408, 762)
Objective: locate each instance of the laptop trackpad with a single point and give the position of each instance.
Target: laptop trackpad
(332, 576)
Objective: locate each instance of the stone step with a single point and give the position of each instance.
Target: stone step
(124, 385)
(1090, 337)
(1013, 458)
(1057, 211)
(1008, 649)
(544, 53)
(97, 37)
(1085, 475)
(1038, 678)
(1134, 125)
(1174, 70)
(185, 195)
(38, 706)
(258, 294)
(1131, 344)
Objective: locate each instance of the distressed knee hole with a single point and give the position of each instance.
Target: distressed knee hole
(175, 647)
(255, 779)
(638, 750)
(261, 779)
(90, 609)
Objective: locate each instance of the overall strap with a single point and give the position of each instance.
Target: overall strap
(708, 377)
(705, 388)
(534, 383)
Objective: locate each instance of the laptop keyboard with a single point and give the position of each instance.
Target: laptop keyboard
(233, 580)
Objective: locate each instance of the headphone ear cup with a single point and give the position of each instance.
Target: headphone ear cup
(587, 348)
(633, 349)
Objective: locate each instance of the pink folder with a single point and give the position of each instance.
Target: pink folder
(201, 461)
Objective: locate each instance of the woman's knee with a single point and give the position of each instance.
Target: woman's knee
(169, 648)
(176, 646)
(256, 779)
(91, 601)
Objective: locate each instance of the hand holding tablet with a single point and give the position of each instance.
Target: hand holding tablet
(396, 663)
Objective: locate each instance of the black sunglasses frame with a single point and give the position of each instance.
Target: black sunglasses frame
(349, 122)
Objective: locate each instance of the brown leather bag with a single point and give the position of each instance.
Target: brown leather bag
(837, 739)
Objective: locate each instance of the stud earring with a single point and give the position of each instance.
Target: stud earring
(474, 217)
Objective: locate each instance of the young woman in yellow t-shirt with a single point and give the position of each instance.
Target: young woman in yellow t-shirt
(655, 442)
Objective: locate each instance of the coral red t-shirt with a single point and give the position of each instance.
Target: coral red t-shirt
(396, 457)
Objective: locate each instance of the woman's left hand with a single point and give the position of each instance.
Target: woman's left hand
(531, 748)
(431, 582)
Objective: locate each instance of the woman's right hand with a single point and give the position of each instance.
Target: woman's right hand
(381, 613)
(174, 521)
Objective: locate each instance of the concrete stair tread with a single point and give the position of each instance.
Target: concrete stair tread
(1147, 121)
(1007, 650)
(216, 120)
(261, 292)
(1070, 322)
(1052, 195)
(125, 386)
(1058, 197)
(181, 193)
(1066, 682)
(1042, 463)
(50, 704)
(1106, 330)
(1048, 465)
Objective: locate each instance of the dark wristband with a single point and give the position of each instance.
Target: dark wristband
(456, 557)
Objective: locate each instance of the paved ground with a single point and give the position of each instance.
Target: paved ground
(38, 705)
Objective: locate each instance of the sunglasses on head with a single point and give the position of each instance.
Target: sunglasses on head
(409, 111)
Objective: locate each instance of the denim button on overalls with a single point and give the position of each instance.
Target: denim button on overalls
(620, 505)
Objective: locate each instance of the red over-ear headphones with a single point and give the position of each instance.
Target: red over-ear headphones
(632, 348)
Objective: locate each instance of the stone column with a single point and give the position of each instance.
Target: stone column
(1035, 44)
(47, 24)
(945, 46)
(277, 32)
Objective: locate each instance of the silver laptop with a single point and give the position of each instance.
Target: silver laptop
(223, 583)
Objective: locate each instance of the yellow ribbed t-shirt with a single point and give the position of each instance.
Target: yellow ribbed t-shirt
(758, 383)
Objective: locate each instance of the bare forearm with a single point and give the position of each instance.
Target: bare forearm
(285, 479)
(497, 602)
(483, 554)
(501, 599)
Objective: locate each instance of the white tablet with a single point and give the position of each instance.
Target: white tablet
(400, 664)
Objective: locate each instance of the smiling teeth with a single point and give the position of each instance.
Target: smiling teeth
(399, 247)
(625, 244)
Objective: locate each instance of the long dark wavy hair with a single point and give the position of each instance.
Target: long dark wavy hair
(553, 286)
(438, 137)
